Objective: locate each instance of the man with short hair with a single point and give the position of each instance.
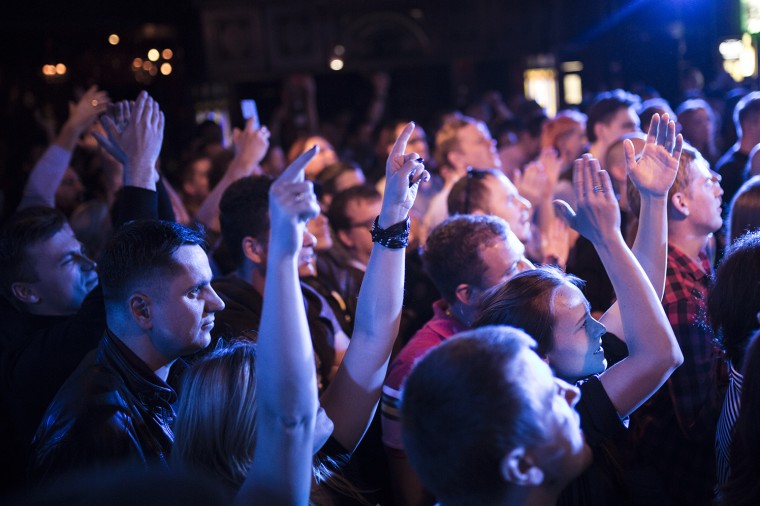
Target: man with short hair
(53, 313)
(484, 421)
(676, 427)
(117, 405)
(465, 256)
(731, 165)
(491, 192)
(244, 218)
(460, 143)
(340, 269)
(612, 114)
(351, 215)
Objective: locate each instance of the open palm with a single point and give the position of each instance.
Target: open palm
(654, 172)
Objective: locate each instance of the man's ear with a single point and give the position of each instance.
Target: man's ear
(140, 309)
(25, 292)
(463, 293)
(253, 250)
(518, 468)
(680, 203)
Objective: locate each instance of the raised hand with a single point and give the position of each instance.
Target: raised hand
(403, 174)
(250, 147)
(83, 113)
(292, 203)
(597, 216)
(531, 182)
(656, 170)
(136, 139)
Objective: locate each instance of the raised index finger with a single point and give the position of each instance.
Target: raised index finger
(294, 172)
(400, 145)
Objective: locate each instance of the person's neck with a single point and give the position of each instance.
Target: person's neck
(598, 151)
(140, 345)
(462, 313)
(689, 242)
(253, 275)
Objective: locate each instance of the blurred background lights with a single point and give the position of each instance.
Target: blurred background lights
(167, 54)
(113, 39)
(153, 55)
(336, 64)
(166, 69)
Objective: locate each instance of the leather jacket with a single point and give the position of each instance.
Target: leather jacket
(113, 409)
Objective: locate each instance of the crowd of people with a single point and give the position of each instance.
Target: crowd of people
(519, 309)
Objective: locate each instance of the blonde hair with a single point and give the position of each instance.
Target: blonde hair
(215, 430)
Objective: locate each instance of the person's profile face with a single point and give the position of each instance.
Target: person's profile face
(577, 349)
(183, 305)
(704, 197)
(363, 213)
(563, 454)
(505, 202)
(65, 274)
(477, 148)
(624, 121)
(501, 260)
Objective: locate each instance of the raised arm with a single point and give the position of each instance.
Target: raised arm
(134, 135)
(351, 398)
(286, 383)
(653, 175)
(653, 349)
(250, 147)
(48, 172)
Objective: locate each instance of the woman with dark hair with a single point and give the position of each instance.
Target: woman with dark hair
(550, 307)
(732, 308)
(743, 487)
(744, 214)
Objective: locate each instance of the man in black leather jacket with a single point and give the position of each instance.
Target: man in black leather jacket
(117, 406)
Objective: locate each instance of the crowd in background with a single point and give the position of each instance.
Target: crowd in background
(495, 307)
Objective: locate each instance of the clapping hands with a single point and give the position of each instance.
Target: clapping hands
(135, 132)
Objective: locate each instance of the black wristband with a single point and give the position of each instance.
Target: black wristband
(394, 237)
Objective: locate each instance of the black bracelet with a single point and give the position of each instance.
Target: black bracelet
(394, 237)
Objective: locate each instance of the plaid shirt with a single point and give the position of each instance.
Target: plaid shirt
(673, 432)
